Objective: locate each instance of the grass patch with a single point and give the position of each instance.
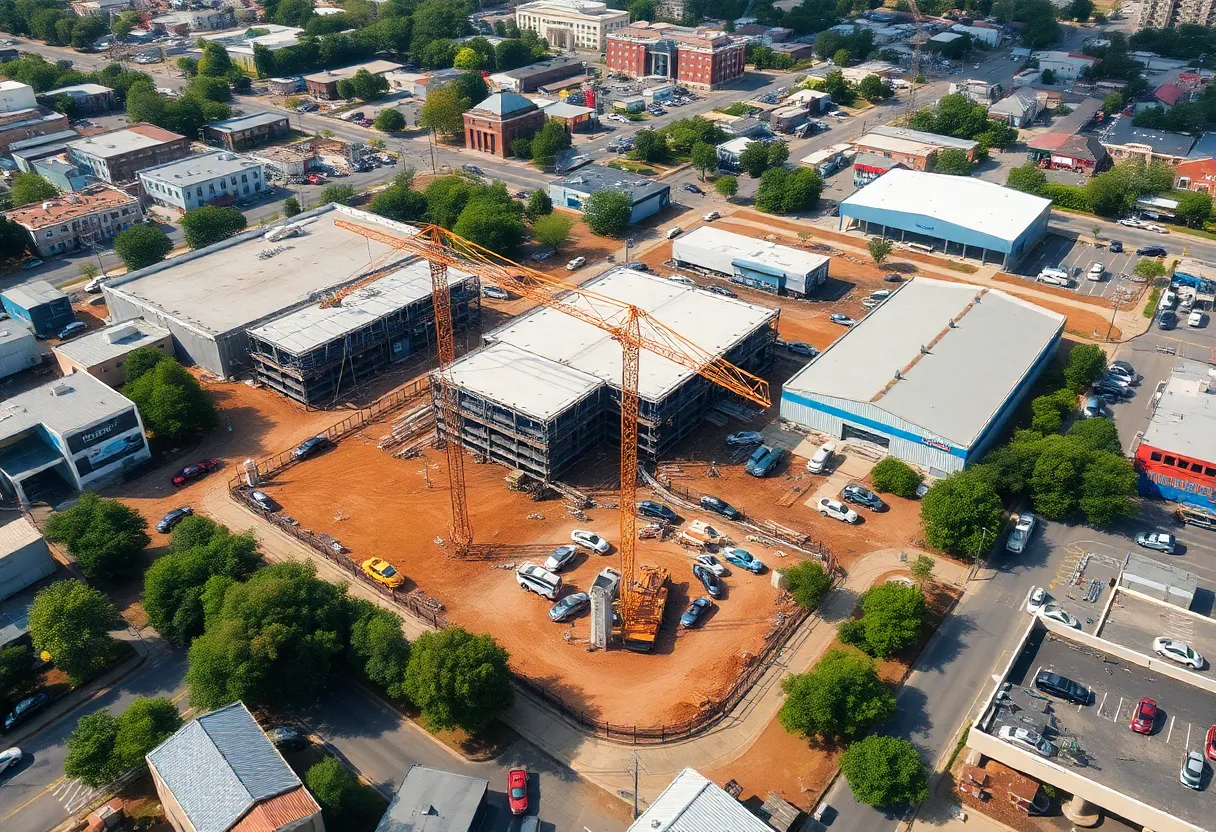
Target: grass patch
(1151, 306)
(965, 268)
(958, 747)
(736, 109)
(635, 167)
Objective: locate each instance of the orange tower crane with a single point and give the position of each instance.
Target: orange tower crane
(633, 328)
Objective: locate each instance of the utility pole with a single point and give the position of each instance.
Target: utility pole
(430, 140)
(635, 785)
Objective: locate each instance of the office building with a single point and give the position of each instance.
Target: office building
(216, 178)
(571, 24)
(703, 58)
(118, 156)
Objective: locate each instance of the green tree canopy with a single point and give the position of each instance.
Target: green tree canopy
(962, 513)
(539, 204)
(809, 583)
(704, 157)
(754, 159)
(607, 213)
(1027, 177)
(952, 162)
(71, 622)
(1108, 487)
(727, 186)
(492, 219)
(922, 568)
(214, 61)
(873, 88)
(649, 146)
(104, 746)
(1194, 208)
(893, 618)
(885, 771)
(211, 224)
(1086, 364)
(141, 246)
(840, 698)
(894, 476)
(550, 140)
(106, 537)
(788, 192)
(30, 187)
(378, 650)
(389, 121)
(339, 193)
(345, 802)
(552, 230)
(880, 250)
(459, 679)
(174, 408)
(16, 672)
(1096, 435)
(291, 207)
(399, 202)
(444, 110)
(141, 360)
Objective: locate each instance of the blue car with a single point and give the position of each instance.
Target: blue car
(569, 606)
(696, 610)
(743, 559)
(649, 508)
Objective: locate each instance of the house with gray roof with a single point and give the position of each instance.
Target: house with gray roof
(220, 773)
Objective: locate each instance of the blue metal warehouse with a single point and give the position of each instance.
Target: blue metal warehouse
(41, 306)
(964, 216)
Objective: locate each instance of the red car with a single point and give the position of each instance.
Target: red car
(1209, 745)
(1145, 716)
(315, 179)
(198, 469)
(517, 790)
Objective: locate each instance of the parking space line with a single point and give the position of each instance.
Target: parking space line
(1103, 702)
(1118, 708)
(1171, 731)
(1188, 735)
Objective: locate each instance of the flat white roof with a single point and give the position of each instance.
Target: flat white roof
(62, 404)
(966, 372)
(523, 381)
(984, 207)
(117, 339)
(1185, 419)
(201, 167)
(736, 146)
(790, 260)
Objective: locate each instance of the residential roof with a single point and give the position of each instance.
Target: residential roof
(693, 803)
(1017, 104)
(374, 67)
(984, 207)
(81, 89)
(32, 294)
(117, 142)
(1082, 147)
(944, 356)
(430, 800)
(1169, 93)
(110, 342)
(922, 137)
(246, 122)
(71, 206)
(504, 104)
(16, 119)
(1205, 147)
(1123, 133)
(201, 167)
(1197, 170)
(591, 178)
(220, 765)
(1185, 418)
(64, 405)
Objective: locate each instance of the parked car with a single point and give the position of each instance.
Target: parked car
(1125, 366)
(802, 348)
(711, 216)
(1209, 743)
(569, 606)
(590, 540)
(719, 506)
(1096, 271)
(674, 232)
(1160, 541)
(1027, 739)
(30, 263)
(695, 612)
(708, 580)
(1054, 613)
(560, 558)
(821, 461)
(681, 279)
(764, 460)
(25, 709)
(841, 318)
(1151, 251)
(382, 572)
(743, 438)
(1178, 651)
(637, 267)
(1131, 222)
(711, 563)
(1191, 774)
(1158, 229)
(1022, 531)
(721, 290)
(862, 496)
(174, 517)
(1062, 687)
(1106, 388)
(691, 188)
(1167, 319)
(72, 330)
(649, 508)
(1115, 246)
(742, 559)
(837, 511)
(1036, 600)
(1122, 372)
(10, 758)
(264, 501)
(1144, 717)
(892, 278)
(309, 447)
(473, 169)
(517, 790)
(494, 292)
(196, 470)
(577, 262)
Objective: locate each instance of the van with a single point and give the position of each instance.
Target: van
(672, 233)
(702, 534)
(767, 461)
(1056, 277)
(537, 579)
(821, 462)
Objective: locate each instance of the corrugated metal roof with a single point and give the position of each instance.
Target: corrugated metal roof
(692, 803)
(219, 766)
(279, 811)
(430, 800)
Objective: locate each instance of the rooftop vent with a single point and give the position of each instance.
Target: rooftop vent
(121, 333)
(61, 389)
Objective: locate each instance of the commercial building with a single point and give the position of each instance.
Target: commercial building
(933, 375)
(1067, 66)
(90, 99)
(72, 432)
(194, 20)
(24, 557)
(449, 802)
(977, 91)
(285, 86)
(15, 95)
(244, 132)
(544, 388)
(747, 261)
(693, 803)
(1081, 153)
(817, 100)
(867, 167)
(118, 156)
(573, 118)
(1125, 141)
(699, 57)
(324, 84)
(27, 151)
(1020, 108)
(1198, 175)
(968, 216)
(18, 349)
(646, 196)
(785, 119)
(796, 50)
(239, 43)
(82, 219)
(914, 149)
(985, 33)
(220, 772)
(19, 125)
(729, 152)
(216, 178)
(61, 173)
(313, 354)
(39, 306)
(1167, 14)
(532, 77)
(492, 125)
(571, 24)
(1176, 458)
(103, 352)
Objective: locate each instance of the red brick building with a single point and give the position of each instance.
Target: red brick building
(705, 58)
(492, 125)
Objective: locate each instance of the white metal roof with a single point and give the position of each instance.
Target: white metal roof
(201, 167)
(112, 341)
(64, 405)
(952, 380)
(523, 381)
(1185, 419)
(984, 207)
(749, 249)
(693, 803)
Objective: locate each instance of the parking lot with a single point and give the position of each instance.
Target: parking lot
(1075, 257)
(1134, 623)
(1082, 587)
(1096, 741)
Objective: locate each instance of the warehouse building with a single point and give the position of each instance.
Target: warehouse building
(1176, 458)
(40, 306)
(192, 295)
(646, 196)
(932, 375)
(747, 261)
(962, 215)
(18, 349)
(24, 557)
(545, 387)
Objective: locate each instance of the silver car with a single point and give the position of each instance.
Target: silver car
(1191, 774)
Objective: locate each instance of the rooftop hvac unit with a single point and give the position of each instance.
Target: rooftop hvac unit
(61, 389)
(114, 336)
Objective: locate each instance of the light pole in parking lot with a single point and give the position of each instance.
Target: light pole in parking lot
(980, 550)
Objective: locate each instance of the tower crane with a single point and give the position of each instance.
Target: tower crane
(631, 327)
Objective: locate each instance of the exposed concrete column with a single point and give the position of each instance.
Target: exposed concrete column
(1081, 812)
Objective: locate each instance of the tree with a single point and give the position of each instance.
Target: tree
(88, 271)
(467, 59)
(142, 245)
(389, 121)
(754, 159)
(1112, 104)
(71, 622)
(840, 698)
(103, 746)
(1108, 487)
(952, 162)
(1194, 208)
(106, 537)
(512, 54)
(552, 230)
(1028, 178)
(1045, 415)
(922, 569)
(893, 618)
(378, 650)
(962, 513)
(894, 476)
(291, 207)
(215, 60)
(841, 57)
(1080, 10)
(211, 224)
(30, 187)
(880, 250)
(438, 54)
(14, 240)
(492, 220)
(345, 802)
(808, 582)
(607, 213)
(704, 158)
(649, 146)
(873, 88)
(1055, 484)
(341, 194)
(458, 679)
(399, 202)
(835, 85)
(1086, 364)
(443, 111)
(885, 771)
(142, 360)
(727, 186)
(1096, 435)
(145, 724)
(174, 408)
(369, 87)
(641, 10)
(539, 204)
(16, 671)
(1149, 268)
(550, 140)
(188, 67)
(209, 88)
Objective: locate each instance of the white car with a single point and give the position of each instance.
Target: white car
(1037, 599)
(711, 216)
(575, 263)
(1096, 271)
(1054, 613)
(10, 758)
(1178, 651)
(711, 563)
(837, 511)
(681, 279)
(1027, 739)
(1157, 229)
(590, 540)
(1131, 222)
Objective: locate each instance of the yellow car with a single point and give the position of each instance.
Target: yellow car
(382, 571)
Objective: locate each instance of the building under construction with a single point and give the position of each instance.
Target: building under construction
(545, 387)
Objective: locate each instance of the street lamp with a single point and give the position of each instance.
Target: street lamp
(981, 549)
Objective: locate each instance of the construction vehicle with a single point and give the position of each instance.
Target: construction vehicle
(640, 628)
(630, 326)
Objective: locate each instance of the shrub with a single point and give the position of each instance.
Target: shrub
(894, 476)
(808, 582)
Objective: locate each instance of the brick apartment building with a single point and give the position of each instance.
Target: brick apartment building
(78, 220)
(492, 125)
(116, 157)
(244, 132)
(705, 58)
(18, 125)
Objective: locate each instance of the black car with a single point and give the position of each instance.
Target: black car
(264, 501)
(893, 278)
(637, 267)
(174, 517)
(692, 189)
(696, 610)
(286, 738)
(1063, 687)
(723, 291)
(1109, 388)
(859, 495)
(649, 508)
(25, 709)
(309, 447)
(1166, 319)
(708, 580)
(569, 606)
(1115, 246)
(1151, 251)
(721, 507)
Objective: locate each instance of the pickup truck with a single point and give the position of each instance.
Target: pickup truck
(1022, 530)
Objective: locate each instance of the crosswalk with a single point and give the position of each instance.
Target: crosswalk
(1178, 626)
(74, 795)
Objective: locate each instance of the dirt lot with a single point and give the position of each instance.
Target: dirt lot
(387, 510)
